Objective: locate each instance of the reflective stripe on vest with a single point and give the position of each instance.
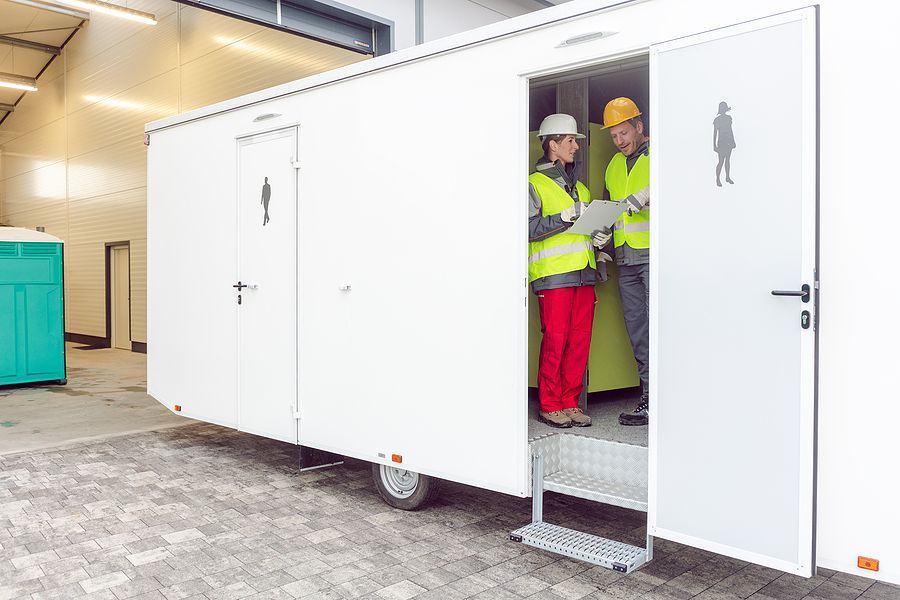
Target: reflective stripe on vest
(634, 229)
(563, 252)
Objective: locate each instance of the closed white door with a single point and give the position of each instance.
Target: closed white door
(733, 364)
(267, 276)
(120, 297)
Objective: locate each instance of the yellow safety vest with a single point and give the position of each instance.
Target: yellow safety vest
(634, 229)
(563, 252)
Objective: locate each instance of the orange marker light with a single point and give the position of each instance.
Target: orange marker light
(870, 564)
(177, 408)
(396, 458)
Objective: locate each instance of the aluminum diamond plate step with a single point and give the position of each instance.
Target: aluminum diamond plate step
(591, 488)
(594, 469)
(582, 546)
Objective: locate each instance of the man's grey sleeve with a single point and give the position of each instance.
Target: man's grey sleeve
(541, 227)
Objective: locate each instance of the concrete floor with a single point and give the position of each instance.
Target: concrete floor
(204, 512)
(106, 394)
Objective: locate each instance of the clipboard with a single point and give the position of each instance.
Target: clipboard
(597, 215)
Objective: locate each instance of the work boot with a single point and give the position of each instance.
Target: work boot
(579, 419)
(639, 416)
(556, 418)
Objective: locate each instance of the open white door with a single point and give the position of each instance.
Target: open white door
(732, 365)
(267, 276)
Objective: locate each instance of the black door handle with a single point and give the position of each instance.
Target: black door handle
(241, 286)
(802, 293)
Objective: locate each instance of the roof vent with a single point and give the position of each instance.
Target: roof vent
(266, 117)
(586, 37)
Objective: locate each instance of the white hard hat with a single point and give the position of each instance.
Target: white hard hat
(559, 124)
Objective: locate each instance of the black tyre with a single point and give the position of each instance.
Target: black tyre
(404, 489)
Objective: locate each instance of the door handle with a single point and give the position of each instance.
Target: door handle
(802, 293)
(240, 286)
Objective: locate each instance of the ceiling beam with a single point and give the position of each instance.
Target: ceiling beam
(52, 7)
(55, 50)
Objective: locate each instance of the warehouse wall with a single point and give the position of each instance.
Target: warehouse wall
(72, 157)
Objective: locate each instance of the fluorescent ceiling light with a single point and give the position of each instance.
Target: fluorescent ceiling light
(18, 82)
(113, 9)
(62, 10)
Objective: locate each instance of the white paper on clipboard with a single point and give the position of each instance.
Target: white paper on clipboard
(597, 215)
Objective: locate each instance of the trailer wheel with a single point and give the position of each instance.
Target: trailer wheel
(404, 489)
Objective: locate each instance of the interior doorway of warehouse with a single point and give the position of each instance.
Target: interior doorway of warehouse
(612, 383)
(118, 295)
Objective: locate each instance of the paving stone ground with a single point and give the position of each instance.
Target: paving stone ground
(205, 512)
(98, 501)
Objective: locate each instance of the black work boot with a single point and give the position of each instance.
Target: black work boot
(639, 416)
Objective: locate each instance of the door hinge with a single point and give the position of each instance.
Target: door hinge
(296, 414)
(295, 164)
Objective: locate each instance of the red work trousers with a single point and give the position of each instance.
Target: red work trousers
(567, 317)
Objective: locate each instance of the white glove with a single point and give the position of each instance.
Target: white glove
(571, 214)
(638, 200)
(604, 257)
(601, 237)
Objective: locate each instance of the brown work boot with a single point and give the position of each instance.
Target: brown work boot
(556, 418)
(579, 419)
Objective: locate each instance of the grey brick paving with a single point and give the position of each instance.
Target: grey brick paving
(207, 513)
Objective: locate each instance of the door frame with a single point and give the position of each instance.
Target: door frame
(108, 250)
(238, 140)
(808, 401)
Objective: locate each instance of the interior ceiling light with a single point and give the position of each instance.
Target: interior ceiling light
(18, 82)
(112, 9)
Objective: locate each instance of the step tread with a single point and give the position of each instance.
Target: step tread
(590, 548)
(599, 490)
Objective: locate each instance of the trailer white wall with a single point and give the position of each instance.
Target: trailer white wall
(859, 482)
(453, 403)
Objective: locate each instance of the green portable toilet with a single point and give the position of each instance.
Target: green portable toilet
(32, 333)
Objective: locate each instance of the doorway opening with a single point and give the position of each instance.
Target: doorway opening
(118, 295)
(612, 382)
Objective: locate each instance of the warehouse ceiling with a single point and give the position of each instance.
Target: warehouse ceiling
(31, 36)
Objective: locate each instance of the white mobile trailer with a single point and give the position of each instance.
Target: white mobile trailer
(386, 312)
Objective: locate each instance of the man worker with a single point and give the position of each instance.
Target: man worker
(628, 177)
(562, 270)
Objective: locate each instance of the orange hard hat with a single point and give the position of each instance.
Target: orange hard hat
(618, 111)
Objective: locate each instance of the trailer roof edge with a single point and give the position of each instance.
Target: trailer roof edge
(534, 20)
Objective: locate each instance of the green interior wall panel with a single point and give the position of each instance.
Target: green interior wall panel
(31, 313)
(611, 364)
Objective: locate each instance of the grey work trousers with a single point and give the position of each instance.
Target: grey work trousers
(634, 287)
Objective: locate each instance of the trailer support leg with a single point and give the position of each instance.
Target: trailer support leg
(537, 488)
